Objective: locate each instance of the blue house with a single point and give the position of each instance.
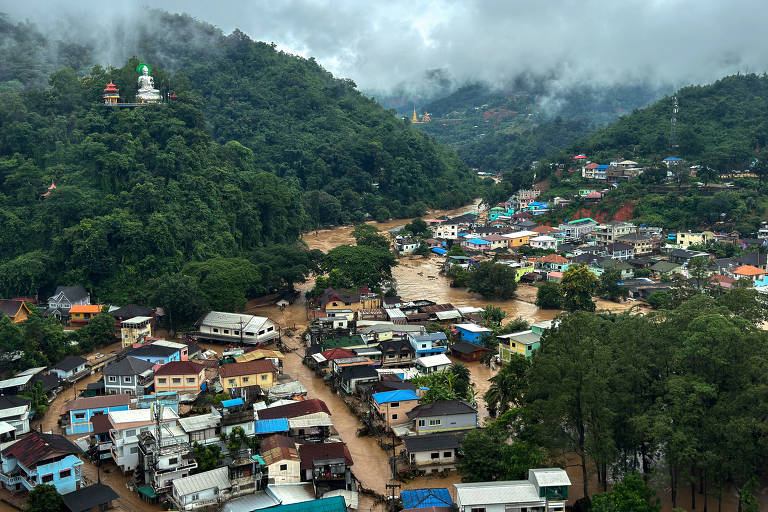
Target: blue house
(472, 333)
(428, 344)
(41, 459)
(426, 498)
(156, 354)
(76, 414)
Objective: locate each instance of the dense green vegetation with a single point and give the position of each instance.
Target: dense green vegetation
(216, 185)
(678, 395)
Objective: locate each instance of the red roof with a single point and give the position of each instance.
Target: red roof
(593, 195)
(36, 447)
(111, 88)
(593, 165)
(247, 368)
(303, 408)
(748, 270)
(180, 368)
(309, 453)
(552, 258)
(337, 353)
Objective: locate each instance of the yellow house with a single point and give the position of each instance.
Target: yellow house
(339, 299)
(523, 343)
(525, 268)
(687, 238)
(260, 373)
(179, 376)
(519, 238)
(16, 310)
(80, 314)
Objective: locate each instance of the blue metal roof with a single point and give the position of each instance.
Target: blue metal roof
(672, 159)
(601, 167)
(232, 403)
(478, 241)
(271, 426)
(398, 395)
(438, 250)
(334, 504)
(424, 498)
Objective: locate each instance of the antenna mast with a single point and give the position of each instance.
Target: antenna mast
(673, 124)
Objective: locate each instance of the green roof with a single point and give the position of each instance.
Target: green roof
(334, 504)
(147, 491)
(347, 341)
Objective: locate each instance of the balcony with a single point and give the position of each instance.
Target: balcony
(12, 481)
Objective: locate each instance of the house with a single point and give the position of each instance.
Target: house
(687, 238)
(611, 231)
(684, 256)
(19, 383)
(468, 351)
(443, 416)
(180, 376)
(434, 363)
(519, 238)
(15, 412)
(281, 459)
(396, 353)
(496, 241)
(69, 368)
(41, 459)
(260, 372)
(754, 274)
(588, 172)
(351, 377)
(428, 344)
(135, 330)
(432, 453)
(201, 490)
(333, 299)
(155, 354)
(125, 429)
(406, 245)
(76, 414)
(237, 328)
(393, 406)
(438, 498)
(161, 461)
(202, 428)
(642, 243)
(94, 498)
(552, 263)
(131, 311)
(16, 310)
(626, 270)
(619, 251)
(472, 333)
(337, 365)
(578, 229)
(129, 375)
(81, 314)
(322, 362)
(308, 419)
(665, 267)
(545, 490)
(327, 465)
(99, 442)
(476, 244)
(544, 242)
(524, 343)
(67, 296)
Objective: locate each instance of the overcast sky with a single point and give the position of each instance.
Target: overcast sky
(385, 42)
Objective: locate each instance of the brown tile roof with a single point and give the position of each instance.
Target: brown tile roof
(552, 258)
(179, 368)
(96, 402)
(322, 451)
(36, 447)
(275, 448)
(337, 353)
(296, 410)
(248, 368)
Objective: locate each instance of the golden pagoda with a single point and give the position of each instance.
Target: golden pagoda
(111, 94)
(415, 118)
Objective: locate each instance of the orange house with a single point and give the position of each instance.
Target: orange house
(179, 376)
(81, 314)
(16, 310)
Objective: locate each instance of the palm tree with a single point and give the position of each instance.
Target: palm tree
(508, 386)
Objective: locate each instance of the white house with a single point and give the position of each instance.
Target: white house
(69, 367)
(15, 412)
(67, 296)
(281, 458)
(544, 242)
(546, 490)
(125, 429)
(435, 363)
(237, 328)
(201, 490)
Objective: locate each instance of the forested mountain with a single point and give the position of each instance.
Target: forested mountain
(724, 125)
(496, 128)
(258, 146)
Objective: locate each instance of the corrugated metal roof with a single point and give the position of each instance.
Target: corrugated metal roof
(271, 426)
(432, 361)
(199, 422)
(547, 477)
(215, 478)
(448, 315)
(490, 493)
(292, 492)
(250, 503)
(422, 498)
(398, 395)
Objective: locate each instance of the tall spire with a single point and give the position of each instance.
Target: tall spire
(415, 118)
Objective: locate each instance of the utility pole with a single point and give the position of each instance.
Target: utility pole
(673, 125)
(393, 485)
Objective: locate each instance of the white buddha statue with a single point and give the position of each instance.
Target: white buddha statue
(147, 92)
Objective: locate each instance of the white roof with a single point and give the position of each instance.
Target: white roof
(137, 320)
(466, 310)
(519, 234)
(215, 478)
(234, 320)
(544, 324)
(543, 238)
(12, 412)
(448, 315)
(6, 427)
(432, 361)
(293, 492)
(136, 415)
(491, 493)
(394, 313)
(320, 421)
(31, 371)
(318, 357)
(251, 502)
(287, 389)
(16, 381)
(473, 328)
(169, 344)
(199, 422)
(548, 477)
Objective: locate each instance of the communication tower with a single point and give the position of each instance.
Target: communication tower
(673, 124)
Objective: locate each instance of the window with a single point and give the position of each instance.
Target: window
(112, 378)
(433, 423)
(261, 332)
(283, 467)
(512, 344)
(447, 455)
(394, 404)
(196, 497)
(434, 455)
(248, 333)
(481, 509)
(127, 380)
(215, 330)
(161, 380)
(128, 392)
(65, 473)
(394, 416)
(79, 415)
(232, 382)
(423, 345)
(190, 380)
(270, 329)
(237, 333)
(245, 379)
(226, 331)
(135, 449)
(422, 423)
(47, 478)
(130, 433)
(176, 380)
(174, 460)
(263, 378)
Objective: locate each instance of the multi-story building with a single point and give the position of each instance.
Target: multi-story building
(237, 328)
(327, 466)
(611, 231)
(135, 330)
(41, 459)
(524, 343)
(130, 375)
(577, 229)
(161, 462)
(642, 243)
(442, 416)
(183, 377)
(261, 372)
(15, 412)
(76, 414)
(125, 430)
